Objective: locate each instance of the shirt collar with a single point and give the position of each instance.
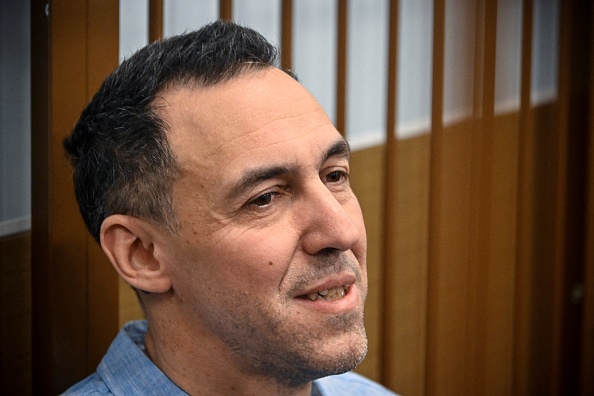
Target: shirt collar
(126, 370)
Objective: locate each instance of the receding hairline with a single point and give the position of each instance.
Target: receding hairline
(188, 80)
(190, 83)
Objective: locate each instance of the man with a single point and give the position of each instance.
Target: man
(218, 189)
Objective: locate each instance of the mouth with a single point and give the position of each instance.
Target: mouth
(332, 294)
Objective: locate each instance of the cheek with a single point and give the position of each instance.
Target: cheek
(252, 257)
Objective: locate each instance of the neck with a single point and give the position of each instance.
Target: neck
(201, 364)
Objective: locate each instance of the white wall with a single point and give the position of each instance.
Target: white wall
(15, 117)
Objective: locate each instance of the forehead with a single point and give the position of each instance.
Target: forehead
(253, 117)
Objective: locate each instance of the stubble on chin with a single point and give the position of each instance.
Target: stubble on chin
(338, 345)
(295, 355)
(274, 340)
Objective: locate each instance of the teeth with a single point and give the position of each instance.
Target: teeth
(328, 295)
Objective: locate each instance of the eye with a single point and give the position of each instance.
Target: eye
(336, 176)
(263, 199)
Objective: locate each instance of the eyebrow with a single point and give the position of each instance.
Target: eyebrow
(252, 177)
(339, 149)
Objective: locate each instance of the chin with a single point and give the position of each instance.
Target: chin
(346, 358)
(330, 360)
(344, 363)
(340, 352)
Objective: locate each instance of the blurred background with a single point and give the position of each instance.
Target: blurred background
(472, 128)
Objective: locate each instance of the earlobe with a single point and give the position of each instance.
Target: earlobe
(129, 243)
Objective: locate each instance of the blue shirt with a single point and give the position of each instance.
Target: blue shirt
(126, 370)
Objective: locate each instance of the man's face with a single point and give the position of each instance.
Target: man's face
(268, 224)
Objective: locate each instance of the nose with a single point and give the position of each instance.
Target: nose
(327, 223)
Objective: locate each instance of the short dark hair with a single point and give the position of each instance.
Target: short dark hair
(119, 150)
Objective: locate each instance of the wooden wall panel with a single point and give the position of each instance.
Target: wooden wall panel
(448, 268)
(42, 369)
(15, 315)
(74, 297)
(497, 303)
(525, 213)
(392, 374)
(155, 26)
(102, 280)
(58, 234)
(433, 362)
(560, 266)
(341, 65)
(226, 9)
(407, 250)
(574, 129)
(286, 46)
(542, 202)
(367, 182)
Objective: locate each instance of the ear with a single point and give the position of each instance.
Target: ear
(129, 243)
